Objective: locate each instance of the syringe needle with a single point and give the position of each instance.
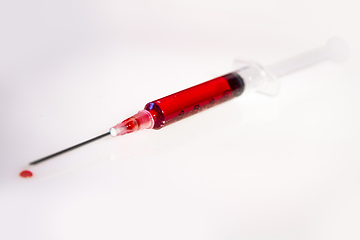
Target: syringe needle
(69, 149)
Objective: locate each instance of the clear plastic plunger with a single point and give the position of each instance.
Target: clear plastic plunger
(266, 79)
(335, 49)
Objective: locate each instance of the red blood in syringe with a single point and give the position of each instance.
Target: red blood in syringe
(177, 106)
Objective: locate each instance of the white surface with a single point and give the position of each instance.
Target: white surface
(252, 168)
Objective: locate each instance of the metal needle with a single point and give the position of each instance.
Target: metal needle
(69, 149)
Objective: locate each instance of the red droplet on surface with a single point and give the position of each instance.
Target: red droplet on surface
(26, 174)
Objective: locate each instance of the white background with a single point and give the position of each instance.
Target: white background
(252, 168)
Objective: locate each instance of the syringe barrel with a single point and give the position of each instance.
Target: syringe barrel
(249, 77)
(180, 105)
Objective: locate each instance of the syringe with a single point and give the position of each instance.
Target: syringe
(250, 77)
